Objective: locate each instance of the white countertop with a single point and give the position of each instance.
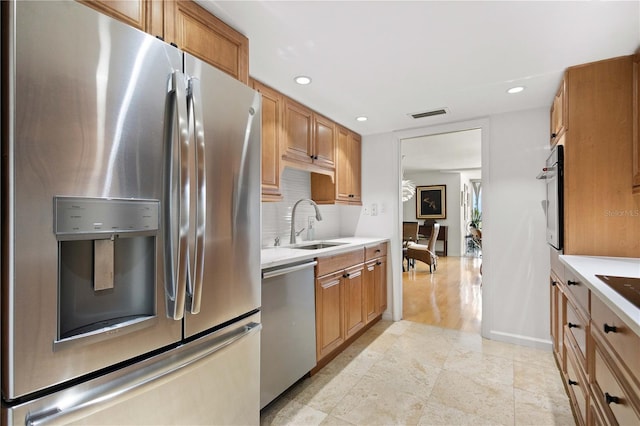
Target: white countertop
(586, 268)
(283, 255)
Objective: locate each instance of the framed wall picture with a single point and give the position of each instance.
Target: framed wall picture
(431, 202)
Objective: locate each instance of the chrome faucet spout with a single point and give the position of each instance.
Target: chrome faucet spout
(292, 238)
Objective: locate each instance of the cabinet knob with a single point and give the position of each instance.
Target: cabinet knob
(611, 399)
(553, 135)
(572, 382)
(610, 328)
(315, 157)
(345, 275)
(571, 325)
(378, 263)
(554, 283)
(569, 282)
(311, 156)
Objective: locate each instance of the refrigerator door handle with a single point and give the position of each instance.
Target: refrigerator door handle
(81, 405)
(176, 217)
(197, 257)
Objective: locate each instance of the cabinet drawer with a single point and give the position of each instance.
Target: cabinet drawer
(578, 291)
(614, 400)
(620, 341)
(371, 252)
(576, 331)
(577, 386)
(329, 264)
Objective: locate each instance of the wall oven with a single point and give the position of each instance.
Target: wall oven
(553, 173)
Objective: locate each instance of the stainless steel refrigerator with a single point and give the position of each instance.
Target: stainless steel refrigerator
(130, 227)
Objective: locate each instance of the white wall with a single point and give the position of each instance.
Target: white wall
(381, 186)
(453, 209)
(515, 256)
(276, 217)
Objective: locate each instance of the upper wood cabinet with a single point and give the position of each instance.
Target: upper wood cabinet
(201, 34)
(558, 114)
(272, 106)
(187, 25)
(346, 187)
(145, 15)
(348, 172)
(600, 211)
(309, 141)
(636, 123)
(324, 141)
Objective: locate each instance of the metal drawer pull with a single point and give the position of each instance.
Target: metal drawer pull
(572, 282)
(610, 328)
(611, 399)
(571, 325)
(572, 382)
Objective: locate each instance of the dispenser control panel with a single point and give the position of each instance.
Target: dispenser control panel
(76, 216)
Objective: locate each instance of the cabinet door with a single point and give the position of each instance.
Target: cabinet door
(271, 135)
(298, 122)
(201, 34)
(354, 300)
(636, 123)
(145, 15)
(371, 304)
(329, 314)
(343, 167)
(558, 114)
(324, 145)
(355, 160)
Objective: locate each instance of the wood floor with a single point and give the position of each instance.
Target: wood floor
(448, 298)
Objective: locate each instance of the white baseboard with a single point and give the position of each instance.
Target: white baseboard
(516, 339)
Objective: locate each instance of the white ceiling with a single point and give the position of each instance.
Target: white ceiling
(385, 59)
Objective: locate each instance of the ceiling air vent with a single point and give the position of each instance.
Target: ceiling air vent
(440, 111)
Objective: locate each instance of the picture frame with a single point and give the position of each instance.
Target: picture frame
(431, 202)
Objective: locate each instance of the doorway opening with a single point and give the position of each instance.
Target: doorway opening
(442, 183)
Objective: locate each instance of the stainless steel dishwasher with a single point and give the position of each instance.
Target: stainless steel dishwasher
(288, 339)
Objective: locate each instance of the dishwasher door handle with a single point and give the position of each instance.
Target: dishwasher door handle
(282, 271)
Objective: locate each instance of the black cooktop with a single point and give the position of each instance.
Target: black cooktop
(628, 287)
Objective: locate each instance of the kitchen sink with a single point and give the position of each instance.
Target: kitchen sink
(318, 246)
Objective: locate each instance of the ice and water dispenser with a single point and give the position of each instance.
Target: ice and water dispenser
(106, 266)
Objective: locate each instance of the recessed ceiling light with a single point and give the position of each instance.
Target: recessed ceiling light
(302, 79)
(362, 118)
(516, 89)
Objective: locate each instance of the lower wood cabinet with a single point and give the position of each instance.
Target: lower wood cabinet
(351, 295)
(330, 329)
(354, 311)
(597, 353)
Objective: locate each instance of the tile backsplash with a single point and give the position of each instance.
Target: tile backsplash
(276, 217)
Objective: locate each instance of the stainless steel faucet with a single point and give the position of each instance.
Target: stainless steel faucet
(292, 239)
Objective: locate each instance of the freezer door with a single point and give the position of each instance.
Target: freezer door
(86, 111)
(229, 198)
(211, 381)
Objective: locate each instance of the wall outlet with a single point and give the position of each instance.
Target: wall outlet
(374, 209)
(365, 211)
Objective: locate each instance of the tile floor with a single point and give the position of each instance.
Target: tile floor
(407, 373)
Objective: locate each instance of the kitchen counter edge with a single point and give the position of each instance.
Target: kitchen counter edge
(279, 256)
(586, 267)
